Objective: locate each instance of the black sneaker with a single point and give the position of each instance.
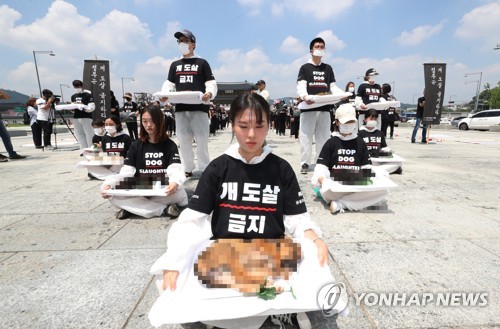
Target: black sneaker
(424, 141)
(413, 141)
(304, 169)
(92, 177)
(399, 171)
(17, 157)
(173, 211)
(300, 320)
(3, 158)
(123, 214)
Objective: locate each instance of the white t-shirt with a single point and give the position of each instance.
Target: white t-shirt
(264, 93)
(33, 114)
(42, 114)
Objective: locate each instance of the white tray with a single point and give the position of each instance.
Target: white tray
(182, 97)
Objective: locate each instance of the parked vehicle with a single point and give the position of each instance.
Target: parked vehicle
(455, 121)
(407, 116)
(481, 120)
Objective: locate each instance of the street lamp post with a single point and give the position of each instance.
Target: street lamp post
(478, 88)
(60, 86)
(123, 89)
(51, 53)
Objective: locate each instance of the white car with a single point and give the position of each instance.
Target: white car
(481, 120)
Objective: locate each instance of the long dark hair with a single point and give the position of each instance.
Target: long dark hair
(117, 122)
(159, 121)
(252, 101)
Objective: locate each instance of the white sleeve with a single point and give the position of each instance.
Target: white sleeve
(175, 173)
(191, 229)
(335, 89)
(302, 89)
(296, 225)
(125, 171)
(211, 87)
(358, 101)
(167, 86)
(319, 171)
(90, 107)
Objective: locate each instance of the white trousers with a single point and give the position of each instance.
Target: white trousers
(102, 172)
(148, 207)
(83, 132)
(317, 123)
(193, 124)
(355, 200)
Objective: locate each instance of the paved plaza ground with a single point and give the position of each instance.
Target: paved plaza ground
(66, 262)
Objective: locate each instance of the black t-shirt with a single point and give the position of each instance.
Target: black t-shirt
(369, 93)
(96, 139)
(190, 74)
(152, 159)
(130, 108)
(339, 154)
(82, 98)
(118, 145)
(420, 109)
(374, 141)
(248, 200)
(318, 80)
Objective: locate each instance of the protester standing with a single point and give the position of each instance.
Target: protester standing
(261, 89)
(191, 73)
(368, 92)
(36, 132)
(130, 110)
(82, 117)
(419, 116)
(45, 115)
(315, 77)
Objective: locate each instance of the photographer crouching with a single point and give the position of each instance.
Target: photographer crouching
(82, 117)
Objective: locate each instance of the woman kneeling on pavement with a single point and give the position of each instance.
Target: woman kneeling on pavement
(154, 157)
(246, 193)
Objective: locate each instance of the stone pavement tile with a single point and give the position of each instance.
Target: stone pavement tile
(55, 202)
(351, 227)
(490, 244)
(72, 289)
(80, 231)
(6, 220)
(5, 255)
(422, 267)
(140, 233)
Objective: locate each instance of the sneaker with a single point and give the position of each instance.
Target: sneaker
(3, 158)
(173, 210)
(413, 141)
(399, 171)
(123, 214)
(336, 206)
(92, 177)
(424, 141)
(304, 169)
(300, 320)
(188, 174)
(17, 157)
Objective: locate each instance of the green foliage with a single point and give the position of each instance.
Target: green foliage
(494, 100)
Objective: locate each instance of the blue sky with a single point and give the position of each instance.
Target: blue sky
(252, 40)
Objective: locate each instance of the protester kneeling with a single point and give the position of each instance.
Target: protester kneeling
(150, 182)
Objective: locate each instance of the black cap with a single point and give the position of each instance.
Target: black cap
(371, 71)
(188, 34)
(261, 82)
(317, 39)
(47, 92)
(77, 83)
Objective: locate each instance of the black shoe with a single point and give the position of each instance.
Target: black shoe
(424, 141)
(92, 177)
(17, 157)
(188, 174)
(304, 169)
(300, 320)
(173, 210)
(123, 214)
(399, 171)
(3, 158)
(413, 141)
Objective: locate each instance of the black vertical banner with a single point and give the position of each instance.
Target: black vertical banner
(435, 76)
(96, 79)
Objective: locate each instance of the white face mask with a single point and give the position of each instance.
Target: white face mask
(371, 124)
(319, 52)
(351, 89)
(184, 48)
(78, 90)
(348, 128)
(111, 129)
(99, 131)
(371, 79)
